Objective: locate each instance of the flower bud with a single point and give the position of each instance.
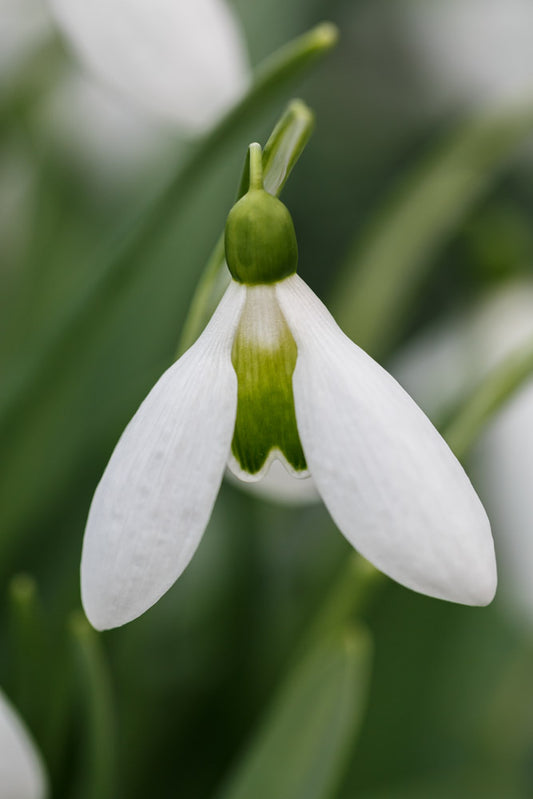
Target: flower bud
(260, 239)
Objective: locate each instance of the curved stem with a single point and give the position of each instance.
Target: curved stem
(486, 399)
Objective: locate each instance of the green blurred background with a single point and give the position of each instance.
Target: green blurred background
(178, 694)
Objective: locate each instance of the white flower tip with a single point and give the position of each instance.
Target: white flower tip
(484, 582)
(103, 612)
(118, 587)
(466, 573)
(22, 774)
(156, 495)
(111, 600)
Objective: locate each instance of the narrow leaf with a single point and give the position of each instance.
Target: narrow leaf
(382, 274)
(302, 747)
(97, 778)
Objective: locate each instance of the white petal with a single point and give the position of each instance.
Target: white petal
(158, 490)
(21, 770)
(182, 60)
(389, 480)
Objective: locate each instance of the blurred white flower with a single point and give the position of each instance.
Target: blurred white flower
(273, 377)
(474, 52)
(154, 71)
(21, 770)
(444, 364)
(106, 136)
(181, 60)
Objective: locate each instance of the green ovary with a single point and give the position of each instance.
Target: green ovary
(264, 356)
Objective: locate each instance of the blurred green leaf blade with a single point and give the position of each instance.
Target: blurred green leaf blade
(302, 748)
(383, 273)
(97, 778)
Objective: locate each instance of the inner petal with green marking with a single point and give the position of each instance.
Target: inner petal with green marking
(264, 356)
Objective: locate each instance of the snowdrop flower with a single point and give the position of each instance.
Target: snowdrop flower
(273, 377)
(438, 368)
(21, 770)
(181, 60)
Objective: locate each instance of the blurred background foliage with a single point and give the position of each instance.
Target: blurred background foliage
(429, 178)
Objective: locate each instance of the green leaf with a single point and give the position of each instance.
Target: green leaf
(38, 682)
(283, 148)
(383, 274)
(301, 750)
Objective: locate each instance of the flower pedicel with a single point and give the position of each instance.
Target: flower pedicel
(273, 376)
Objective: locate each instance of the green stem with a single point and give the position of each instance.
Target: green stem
(97, 779)
(256, 166)
(351, 592)
(486, 399)
(132, 246)
(27, 644)
(40, 683)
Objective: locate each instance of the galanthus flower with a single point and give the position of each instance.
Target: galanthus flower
(273, 377)
(183, 61)
(21, 770)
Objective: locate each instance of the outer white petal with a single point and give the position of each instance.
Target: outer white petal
(182, 60)
(21, 770)
(158, 490)
(389, 480)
